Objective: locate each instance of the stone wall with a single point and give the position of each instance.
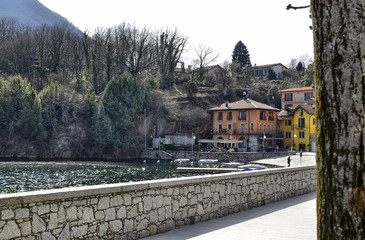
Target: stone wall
(223, 157)
(139, 209)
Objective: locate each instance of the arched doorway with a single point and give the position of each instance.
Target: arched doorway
(220, 144)
(242, 147)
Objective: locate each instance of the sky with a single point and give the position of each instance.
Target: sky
(271, 33)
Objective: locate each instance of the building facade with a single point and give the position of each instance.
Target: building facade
(261, 71)
(292, 97)
(247, 125)
(298, 127)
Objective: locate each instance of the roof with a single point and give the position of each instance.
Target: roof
(308, 108)
(244, 104)
(268, 65)
(300, 89)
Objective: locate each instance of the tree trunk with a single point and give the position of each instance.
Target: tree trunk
(339, 42)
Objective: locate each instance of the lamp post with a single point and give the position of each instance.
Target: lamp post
(292, 140)
(263, 149)
(192, 142)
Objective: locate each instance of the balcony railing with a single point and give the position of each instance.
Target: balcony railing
(247, 131)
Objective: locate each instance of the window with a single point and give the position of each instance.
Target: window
(271, 116)
(264, 127)
(301, 134)
(308, 96)
(220, 116)
(242, 128)
(242, 116)
(288, 122)
(288, 97)
(268, 128)
(229, 126)
(251, 126)
(314, 121)
(301, 112)
(262, 115)
(229, 116)
(260, 127)
(272, 128)
(219, 127)
(301, 122)
(287, 134)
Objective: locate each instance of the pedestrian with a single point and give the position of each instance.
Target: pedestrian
(276, 148)
(289, 161)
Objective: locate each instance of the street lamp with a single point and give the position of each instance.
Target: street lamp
(263, 149)
(192, 142)
(292, 140)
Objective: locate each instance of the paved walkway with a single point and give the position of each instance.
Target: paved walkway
(294, 218)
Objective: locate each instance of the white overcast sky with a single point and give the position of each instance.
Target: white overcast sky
(271, 33)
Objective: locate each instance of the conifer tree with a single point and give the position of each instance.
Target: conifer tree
(241, 55)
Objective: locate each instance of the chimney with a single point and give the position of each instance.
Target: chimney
(244, 95)
(226, 105)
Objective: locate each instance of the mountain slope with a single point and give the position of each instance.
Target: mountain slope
(31, 13)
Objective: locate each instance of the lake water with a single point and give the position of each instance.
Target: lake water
(30, 175)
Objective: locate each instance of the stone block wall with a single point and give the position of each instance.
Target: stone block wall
(139, 209)
(224, 157)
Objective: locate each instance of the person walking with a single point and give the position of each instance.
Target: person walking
(289, 161)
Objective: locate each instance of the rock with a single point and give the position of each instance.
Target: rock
(110, 214)
(128, 226)
(38, 225)
(88, 215)
(7, 214)
(47, 236)
(79, 231)
(116, 225)
(53, 221)
(10, 231)
(25, 228)
(21, 213)
(103, 203)
(65, 234)
(121, 213)
(43, 209)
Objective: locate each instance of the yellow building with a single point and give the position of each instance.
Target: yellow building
(298, 127)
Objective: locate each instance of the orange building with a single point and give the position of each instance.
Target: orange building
(247, 125)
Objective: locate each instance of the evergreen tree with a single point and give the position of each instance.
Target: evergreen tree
(30, 123)
(271, 75)
(241, 55)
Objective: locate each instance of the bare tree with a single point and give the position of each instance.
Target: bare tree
(339, 40)
(169, 46)
(205, 56)
(139, 50)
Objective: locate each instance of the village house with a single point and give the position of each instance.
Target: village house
(292, 97)
(247, 125)
(261, 71)
(298, 127)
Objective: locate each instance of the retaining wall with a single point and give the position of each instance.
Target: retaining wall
(248, 156)
(138, 209)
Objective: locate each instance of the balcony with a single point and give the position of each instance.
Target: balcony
(247, 131)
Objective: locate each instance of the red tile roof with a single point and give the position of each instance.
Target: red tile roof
(297, 89)
(244, 104)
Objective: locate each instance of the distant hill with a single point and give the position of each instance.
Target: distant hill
(31, 13)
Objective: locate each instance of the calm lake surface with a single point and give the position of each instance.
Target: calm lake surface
(32, 175)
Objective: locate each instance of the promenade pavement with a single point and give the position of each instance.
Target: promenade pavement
(294, 218)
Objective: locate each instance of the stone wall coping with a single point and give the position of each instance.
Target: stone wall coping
(104, 189)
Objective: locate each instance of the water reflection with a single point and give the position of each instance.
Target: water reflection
(30, 176)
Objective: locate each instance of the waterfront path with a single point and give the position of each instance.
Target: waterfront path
(293, 218)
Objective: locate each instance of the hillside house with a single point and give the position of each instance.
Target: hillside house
(292, 97)
(261, 71)
(247, 125)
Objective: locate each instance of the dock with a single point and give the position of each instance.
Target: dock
(205, 170)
